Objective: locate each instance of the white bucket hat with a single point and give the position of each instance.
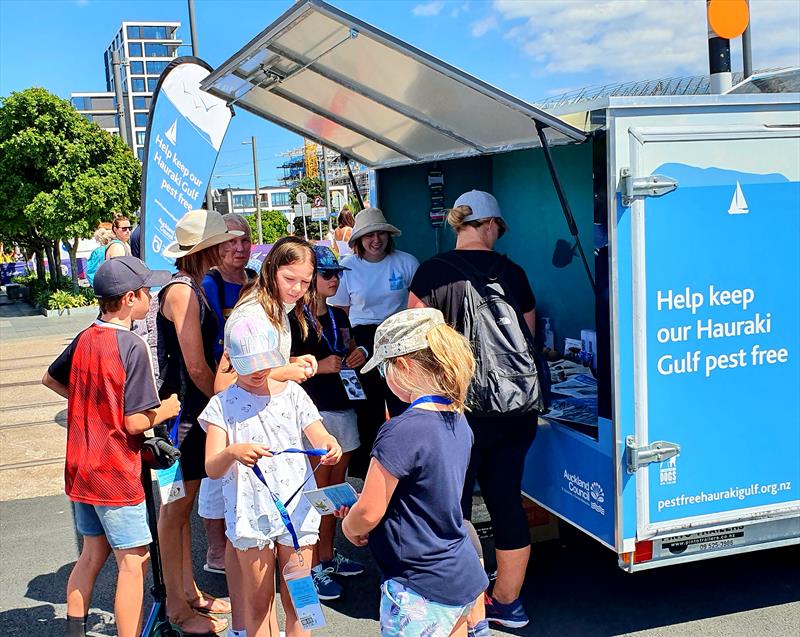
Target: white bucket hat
(371, 220)
(198, 230)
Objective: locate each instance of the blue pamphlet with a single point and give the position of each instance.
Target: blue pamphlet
(329, 499)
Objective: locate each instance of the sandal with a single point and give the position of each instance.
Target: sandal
(207, 603)
(200, 624)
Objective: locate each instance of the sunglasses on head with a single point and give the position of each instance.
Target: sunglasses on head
(327, 275)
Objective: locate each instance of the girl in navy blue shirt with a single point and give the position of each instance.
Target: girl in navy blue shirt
(409, 510)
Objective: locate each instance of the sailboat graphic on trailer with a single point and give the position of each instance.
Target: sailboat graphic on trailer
(738, 203)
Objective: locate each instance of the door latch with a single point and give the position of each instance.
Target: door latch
(657, 451)
(652, 186)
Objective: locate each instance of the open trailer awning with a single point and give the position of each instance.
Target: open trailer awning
(331, 78)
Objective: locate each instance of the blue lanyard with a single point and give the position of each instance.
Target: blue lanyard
(173, 432)
(280, 506)
(439, 400)
(335, 347)
(308, 452)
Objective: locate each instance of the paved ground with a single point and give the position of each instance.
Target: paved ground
(574, 587)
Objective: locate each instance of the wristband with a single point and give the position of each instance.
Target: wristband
(363, 349)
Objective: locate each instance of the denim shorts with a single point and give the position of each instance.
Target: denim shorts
(405, 613)
(125, 527)
(285, 539)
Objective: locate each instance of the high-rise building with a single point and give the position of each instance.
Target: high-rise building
(145, 48)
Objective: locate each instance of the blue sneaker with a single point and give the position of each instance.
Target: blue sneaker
(327, 589)
(481, 629)
(342, 566)
(509, 615)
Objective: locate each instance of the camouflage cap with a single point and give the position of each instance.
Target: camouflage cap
(403, 333)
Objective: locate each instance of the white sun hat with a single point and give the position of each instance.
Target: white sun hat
(198, 230)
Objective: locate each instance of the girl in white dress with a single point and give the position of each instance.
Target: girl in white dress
(245, 424)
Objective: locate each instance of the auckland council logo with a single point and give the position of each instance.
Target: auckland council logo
(597, 492)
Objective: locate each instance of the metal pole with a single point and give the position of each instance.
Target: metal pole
(325, 177)
(192, 29)
(353, 182)
(747, 53)
(327, 190)
(122, 124)
(719, 61)
(562, 198)
(303, 211)
(258, 198)
(195, 53)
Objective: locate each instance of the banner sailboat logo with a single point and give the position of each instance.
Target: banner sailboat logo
(738, 203)
(185, 130)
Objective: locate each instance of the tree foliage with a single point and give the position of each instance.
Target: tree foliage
(312, 186)
(273, 225)
(60, 175)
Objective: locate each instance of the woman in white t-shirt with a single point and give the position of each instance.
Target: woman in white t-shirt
(374, 288)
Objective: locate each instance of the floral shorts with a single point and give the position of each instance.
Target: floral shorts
(405, 613)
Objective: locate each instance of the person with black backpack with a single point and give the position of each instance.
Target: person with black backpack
(487, 297)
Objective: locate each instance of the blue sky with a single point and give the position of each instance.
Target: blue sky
(530, 48)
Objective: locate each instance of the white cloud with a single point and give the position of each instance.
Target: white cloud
(484, 25)
(634, 39)
(459, 9)
(428, 9)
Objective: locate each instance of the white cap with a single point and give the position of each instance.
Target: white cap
(482, 204)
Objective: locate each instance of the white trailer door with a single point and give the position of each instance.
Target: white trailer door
(714, 323)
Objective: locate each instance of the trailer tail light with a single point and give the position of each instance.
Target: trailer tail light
(643, 552)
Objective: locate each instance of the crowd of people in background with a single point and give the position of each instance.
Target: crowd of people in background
(311, 370)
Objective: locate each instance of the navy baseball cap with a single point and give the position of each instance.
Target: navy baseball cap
(119, 275)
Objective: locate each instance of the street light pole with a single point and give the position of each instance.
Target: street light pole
(192, 29)
(195, 53)
(258, 198)
(122, 125)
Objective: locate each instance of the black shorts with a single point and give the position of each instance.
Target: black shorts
(193, 451)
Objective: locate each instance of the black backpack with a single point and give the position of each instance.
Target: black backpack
(510, 377)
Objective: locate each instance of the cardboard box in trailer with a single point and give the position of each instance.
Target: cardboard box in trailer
(692, 206)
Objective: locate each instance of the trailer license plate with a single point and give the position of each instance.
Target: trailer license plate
(701, 542)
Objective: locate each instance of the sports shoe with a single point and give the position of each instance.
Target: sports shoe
(510, 615)
(342, 566)
(481, 629)
(327, 589)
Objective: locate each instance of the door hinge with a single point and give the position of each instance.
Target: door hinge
(652, 186)
(657, 451)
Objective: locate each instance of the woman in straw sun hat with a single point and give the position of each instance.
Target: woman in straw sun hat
(187, 331)
(374, 288)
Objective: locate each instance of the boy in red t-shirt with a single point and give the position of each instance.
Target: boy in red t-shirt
(107, 378)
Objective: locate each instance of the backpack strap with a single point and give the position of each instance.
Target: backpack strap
(478, 279)
(198, 290)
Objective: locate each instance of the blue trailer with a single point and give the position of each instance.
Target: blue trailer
(692, 208)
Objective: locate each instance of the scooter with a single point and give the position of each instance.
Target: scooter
(157, 454)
